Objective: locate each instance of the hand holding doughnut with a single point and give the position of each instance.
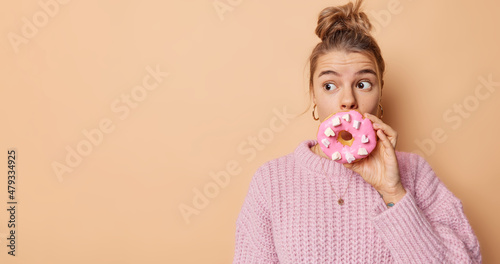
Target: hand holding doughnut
(380, 169)
(375, 162)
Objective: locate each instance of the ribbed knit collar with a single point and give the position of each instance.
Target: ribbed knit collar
(312, 161)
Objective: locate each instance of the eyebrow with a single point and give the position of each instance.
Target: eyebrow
(357, 73)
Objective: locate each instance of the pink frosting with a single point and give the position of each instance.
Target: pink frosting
(365, 128)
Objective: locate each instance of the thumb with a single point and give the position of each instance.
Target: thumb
(352, 166)
(348, 165)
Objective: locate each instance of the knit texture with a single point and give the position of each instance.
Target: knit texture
(291, 215)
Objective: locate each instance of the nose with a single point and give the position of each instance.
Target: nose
(347, 100)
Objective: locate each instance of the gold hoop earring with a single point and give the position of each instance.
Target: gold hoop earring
(381, 110)
(314, 117)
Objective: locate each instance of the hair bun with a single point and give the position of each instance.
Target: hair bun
(346, 17)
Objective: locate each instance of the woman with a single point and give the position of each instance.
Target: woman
(391, 206)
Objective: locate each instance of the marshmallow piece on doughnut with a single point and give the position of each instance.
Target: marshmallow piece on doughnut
(336, 155)
(362, 151)
(325, 142)
(364, 139)
(336, 121)
(346, 117)
(329, 132)
(349, 157)
(356, 124)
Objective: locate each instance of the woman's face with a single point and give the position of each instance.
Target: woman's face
(345, 81)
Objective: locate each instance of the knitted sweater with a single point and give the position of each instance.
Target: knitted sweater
(291, 215)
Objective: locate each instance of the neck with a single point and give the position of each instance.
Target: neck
(317, 150)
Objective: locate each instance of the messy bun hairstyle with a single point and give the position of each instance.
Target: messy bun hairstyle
(345, 28)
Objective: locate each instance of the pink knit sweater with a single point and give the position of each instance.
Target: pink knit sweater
(291, 215)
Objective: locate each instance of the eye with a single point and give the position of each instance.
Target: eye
(364, 85)
(329, 86)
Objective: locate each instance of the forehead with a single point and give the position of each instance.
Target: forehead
(345, 63)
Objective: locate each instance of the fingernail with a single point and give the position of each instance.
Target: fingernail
(375, 125)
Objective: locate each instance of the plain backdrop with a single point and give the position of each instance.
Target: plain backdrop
(139, 124)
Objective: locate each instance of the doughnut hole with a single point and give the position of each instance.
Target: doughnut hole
(345, 138)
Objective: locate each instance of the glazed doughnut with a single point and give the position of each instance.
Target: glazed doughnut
(333, 137)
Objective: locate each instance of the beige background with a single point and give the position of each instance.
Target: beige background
(230, 74)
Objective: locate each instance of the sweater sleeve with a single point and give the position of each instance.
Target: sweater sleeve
(254, 239)
(428, 224)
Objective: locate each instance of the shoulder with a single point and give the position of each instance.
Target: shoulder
(268, 176)
(281, 171)
(272, 167)
(414, 170)
(419, 178)
(286, 162)
(410, 161)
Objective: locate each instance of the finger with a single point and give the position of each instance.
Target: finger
(379, 124)
(389, 146)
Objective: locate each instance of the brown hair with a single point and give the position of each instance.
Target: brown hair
(345, 28)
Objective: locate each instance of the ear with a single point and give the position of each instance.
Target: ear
(313, 96)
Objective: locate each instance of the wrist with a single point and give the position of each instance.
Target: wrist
(393, 195)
